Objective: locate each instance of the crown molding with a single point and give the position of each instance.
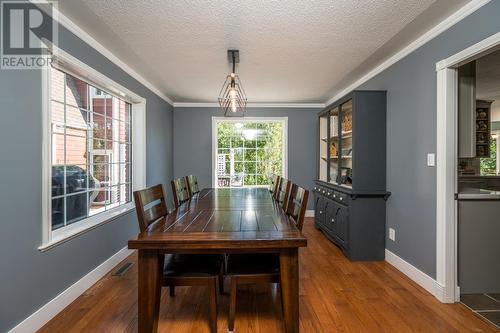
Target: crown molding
(441, 27)
(254, 105)
(451, 20)
(83, 35)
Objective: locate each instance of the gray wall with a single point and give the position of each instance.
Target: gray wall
(29, 278)
(411, 134)
(193, 142)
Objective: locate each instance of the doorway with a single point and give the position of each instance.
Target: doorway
(482, 160)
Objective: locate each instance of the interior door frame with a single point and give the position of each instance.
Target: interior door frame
(447, 289)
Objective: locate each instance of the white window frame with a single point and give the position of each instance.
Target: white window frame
(447, 289)
(216, 120)
(69, 64)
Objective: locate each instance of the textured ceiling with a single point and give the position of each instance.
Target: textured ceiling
(290, 51)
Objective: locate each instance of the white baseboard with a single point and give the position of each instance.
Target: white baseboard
(48, 311)
(309, 213)
(422, 279)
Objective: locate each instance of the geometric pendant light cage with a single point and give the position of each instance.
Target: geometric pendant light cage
(232, 97)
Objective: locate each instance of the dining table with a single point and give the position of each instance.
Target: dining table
(225, 221)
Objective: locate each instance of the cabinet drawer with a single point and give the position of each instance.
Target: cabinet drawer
(320, 190)
(342, 198)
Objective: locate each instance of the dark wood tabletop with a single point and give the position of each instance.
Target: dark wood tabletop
(220, 221)
(223, 219)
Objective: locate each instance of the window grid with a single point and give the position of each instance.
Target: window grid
(239, 148)
(116, 118)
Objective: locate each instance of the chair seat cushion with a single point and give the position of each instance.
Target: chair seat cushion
(254, 263)
(192, 265)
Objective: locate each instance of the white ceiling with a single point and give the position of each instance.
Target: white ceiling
(292, 51)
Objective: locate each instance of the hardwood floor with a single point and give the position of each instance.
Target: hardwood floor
(335, 296)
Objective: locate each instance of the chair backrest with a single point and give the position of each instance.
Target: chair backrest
(277, 187)
(180, 191)
(192, 184)
(282, 192)
(297, 205)
(150, 205)
(274, 183)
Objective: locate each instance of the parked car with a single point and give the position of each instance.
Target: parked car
(76, 202)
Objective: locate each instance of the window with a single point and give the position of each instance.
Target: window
(91, 150)
(247, 151)
(91, 128)
(488, 165)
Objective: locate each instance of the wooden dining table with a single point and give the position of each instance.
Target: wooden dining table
(236, 220)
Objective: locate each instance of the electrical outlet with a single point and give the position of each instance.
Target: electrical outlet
(392, 234)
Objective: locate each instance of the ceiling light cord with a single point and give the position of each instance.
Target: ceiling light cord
(234, 62)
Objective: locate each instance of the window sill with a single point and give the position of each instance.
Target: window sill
(72, 231)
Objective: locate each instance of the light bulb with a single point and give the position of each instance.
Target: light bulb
(233, 104)
(232, 96)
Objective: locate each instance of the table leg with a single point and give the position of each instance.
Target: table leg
(289, 268)
(150, 274)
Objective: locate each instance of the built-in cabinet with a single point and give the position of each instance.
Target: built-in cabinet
(474, 116)
(350, 192)
(483, 128)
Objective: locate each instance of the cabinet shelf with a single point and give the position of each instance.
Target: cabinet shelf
(335, 157)
(345, 135)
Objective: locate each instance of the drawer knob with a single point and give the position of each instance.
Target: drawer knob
(333, 220)
(321, 212)
(334, 196)
(341, 198)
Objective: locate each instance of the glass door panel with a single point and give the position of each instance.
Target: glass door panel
(334, 146)
(346, 152)
(323, 147)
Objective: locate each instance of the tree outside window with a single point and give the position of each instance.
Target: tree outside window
(489, 165)
(248, 153)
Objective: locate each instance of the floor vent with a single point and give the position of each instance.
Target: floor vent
(122, 270)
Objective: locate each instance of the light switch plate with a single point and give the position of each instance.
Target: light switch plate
(431, 159)
(392, 234)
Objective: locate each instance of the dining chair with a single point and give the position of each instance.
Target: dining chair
(180, 269)
(282, 192)
(192, 185)
(274, 183)
(180, 191)
(263, 267)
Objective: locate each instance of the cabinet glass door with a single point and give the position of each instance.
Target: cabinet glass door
(346, 146)
(334, 146)
(323, 147)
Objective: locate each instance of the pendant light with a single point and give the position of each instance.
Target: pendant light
(232, 97)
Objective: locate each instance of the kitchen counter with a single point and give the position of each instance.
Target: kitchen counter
(478, 194)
